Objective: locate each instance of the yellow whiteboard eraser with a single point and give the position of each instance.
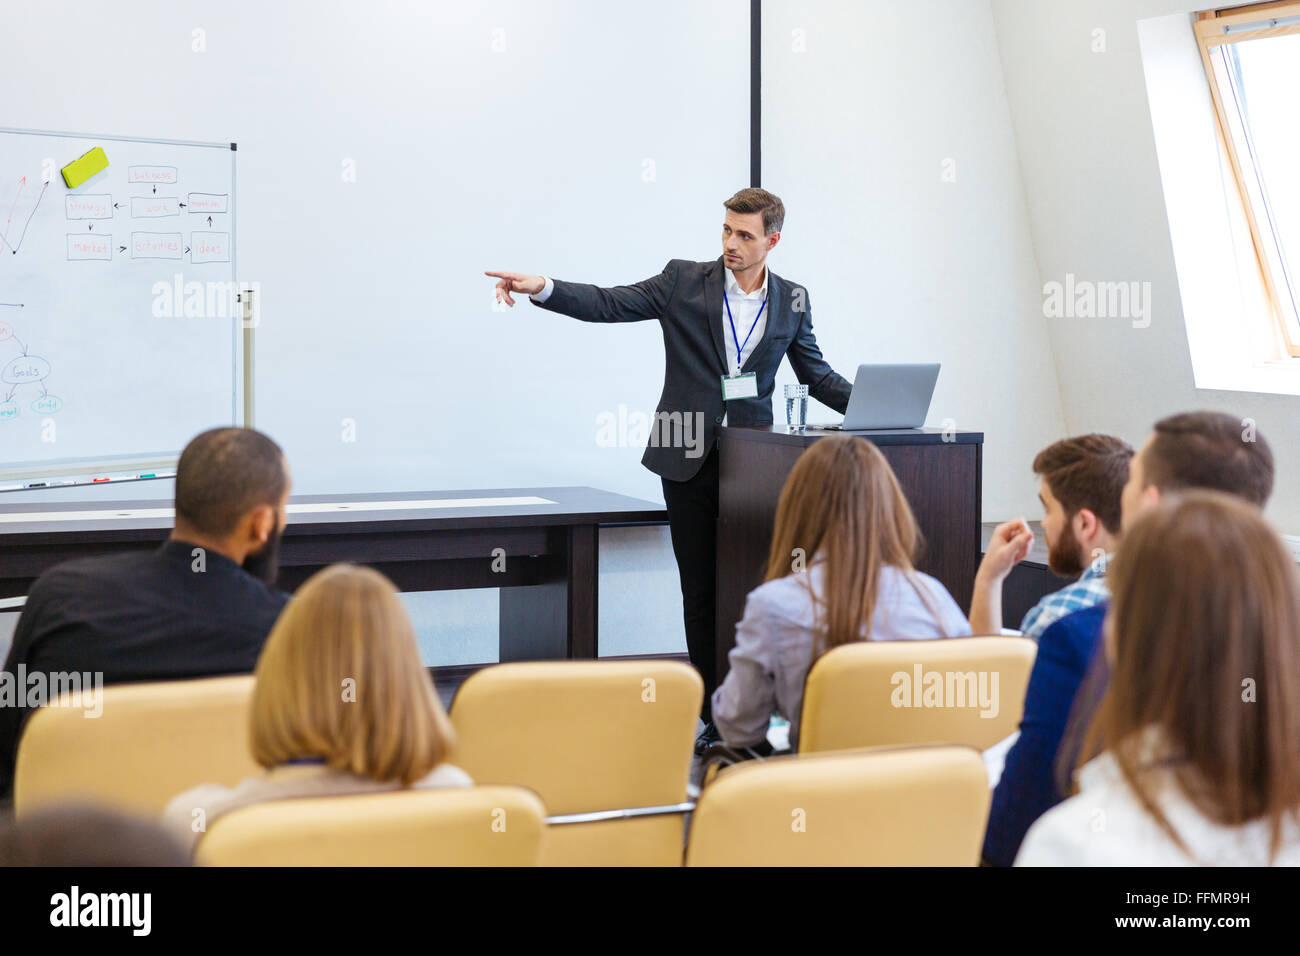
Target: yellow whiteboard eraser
(79, 170)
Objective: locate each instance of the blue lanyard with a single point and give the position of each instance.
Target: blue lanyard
(740, 346)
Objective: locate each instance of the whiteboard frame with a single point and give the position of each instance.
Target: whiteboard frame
(242, 344)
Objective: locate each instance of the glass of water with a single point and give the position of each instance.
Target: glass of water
(796, 405)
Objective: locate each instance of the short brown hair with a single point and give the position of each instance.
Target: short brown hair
(1089, 471)
(1209, 450)
(759, 200)
(223, 474)
(346, 629)
(1223, 606)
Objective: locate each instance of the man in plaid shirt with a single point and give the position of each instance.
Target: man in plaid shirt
(1080, 483)
(1211, 450)
(1090, 589)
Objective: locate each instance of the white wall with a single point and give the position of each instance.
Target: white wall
(901, 265)
(374, 306)
(1088, 158)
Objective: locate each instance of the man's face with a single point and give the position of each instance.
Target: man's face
(1064, 555)
(743, 243)
(1136, 497)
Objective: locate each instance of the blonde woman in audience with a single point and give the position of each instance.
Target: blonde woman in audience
(840, 569)
(341, 705)
(1197, 731)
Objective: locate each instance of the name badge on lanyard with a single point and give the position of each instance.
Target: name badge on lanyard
(740, 385)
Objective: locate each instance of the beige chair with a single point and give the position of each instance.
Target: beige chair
(607, 745)
(473, 826)
(918, 806)
(151, 742)
(965, 690)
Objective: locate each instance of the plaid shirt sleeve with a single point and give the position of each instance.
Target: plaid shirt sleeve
(1087, 591)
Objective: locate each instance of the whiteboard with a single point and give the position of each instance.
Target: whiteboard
(119, 320)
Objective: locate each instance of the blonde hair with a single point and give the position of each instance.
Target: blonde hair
(340, 679)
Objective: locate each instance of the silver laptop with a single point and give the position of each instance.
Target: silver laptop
(889, 396)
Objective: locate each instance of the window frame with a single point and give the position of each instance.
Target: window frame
(1210, 26)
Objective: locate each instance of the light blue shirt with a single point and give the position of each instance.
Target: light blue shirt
(774, 643)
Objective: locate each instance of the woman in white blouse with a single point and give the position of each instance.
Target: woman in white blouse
(1197, 732)
(840, 569)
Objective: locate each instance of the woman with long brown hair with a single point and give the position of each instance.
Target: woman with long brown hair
(841, 568)
(1197, 731)
(341, 704)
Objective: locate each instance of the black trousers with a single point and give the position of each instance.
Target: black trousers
(693, 520)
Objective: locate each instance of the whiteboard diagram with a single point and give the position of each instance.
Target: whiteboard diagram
(119, 308)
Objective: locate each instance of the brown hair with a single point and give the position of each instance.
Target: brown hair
(1209, 450)
(754, 200)
(346, 628)
(1206, 598)
(1089, 471)
(223, 474)
(843, 500)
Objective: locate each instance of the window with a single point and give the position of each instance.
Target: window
(1252, 58)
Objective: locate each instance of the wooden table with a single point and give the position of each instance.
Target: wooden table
(542, 555)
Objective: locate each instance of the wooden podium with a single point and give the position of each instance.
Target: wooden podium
(939, 472)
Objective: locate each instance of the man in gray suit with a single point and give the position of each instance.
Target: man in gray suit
(726, 325)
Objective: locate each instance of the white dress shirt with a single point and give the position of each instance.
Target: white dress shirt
(745, 308)
(546, 291)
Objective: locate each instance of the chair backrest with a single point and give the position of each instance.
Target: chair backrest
(472, 826)
(149, 743)
(587, 736)
(963, 690)
(916, 806)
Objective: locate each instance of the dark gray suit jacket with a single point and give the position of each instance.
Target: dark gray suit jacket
(686, 298)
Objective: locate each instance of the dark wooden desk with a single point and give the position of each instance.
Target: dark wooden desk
(548, 584)
(940, 475)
